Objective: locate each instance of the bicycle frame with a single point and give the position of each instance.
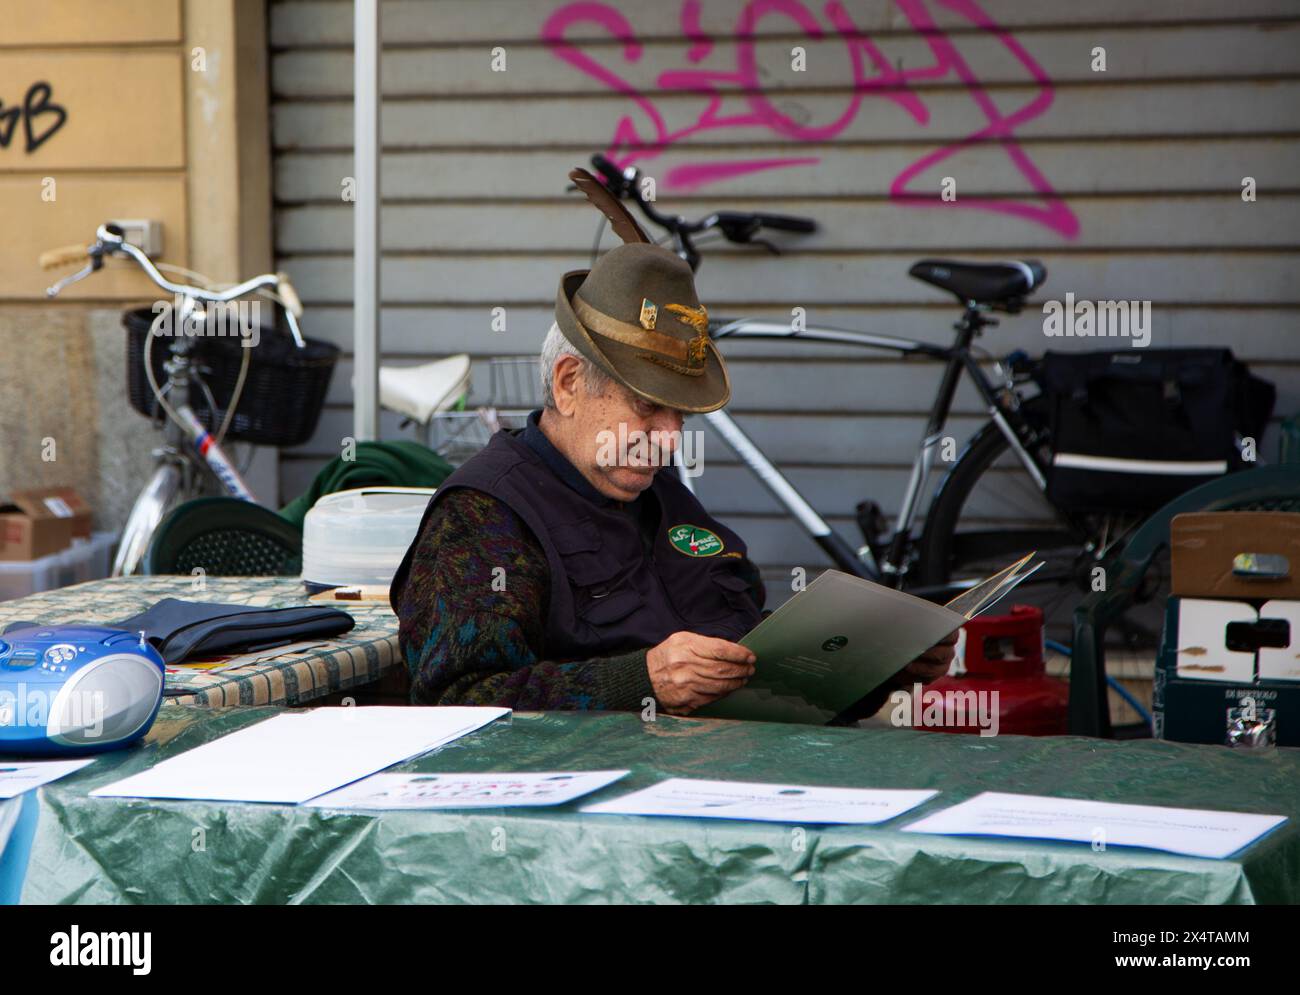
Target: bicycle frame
(186, 447)
(1002, 405)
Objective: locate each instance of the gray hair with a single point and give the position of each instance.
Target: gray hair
(555, 346)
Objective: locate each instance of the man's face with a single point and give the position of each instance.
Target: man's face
(618, 440)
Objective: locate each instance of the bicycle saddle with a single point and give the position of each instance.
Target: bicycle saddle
(994, 284)
(420, 392)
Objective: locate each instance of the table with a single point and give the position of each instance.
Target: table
(132, 850)
(360, 657)
(356, 661)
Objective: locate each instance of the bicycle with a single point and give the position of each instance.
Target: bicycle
(1004, 465)
(438, 399)
(191, 461)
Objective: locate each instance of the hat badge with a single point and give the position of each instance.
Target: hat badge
(649, 312)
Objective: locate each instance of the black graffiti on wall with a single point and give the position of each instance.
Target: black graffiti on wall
(36, 106)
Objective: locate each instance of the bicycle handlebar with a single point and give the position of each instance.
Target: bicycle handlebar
(787, 222)
(109, 240)
(740, 227)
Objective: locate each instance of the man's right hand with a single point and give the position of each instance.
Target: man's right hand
(688, 670)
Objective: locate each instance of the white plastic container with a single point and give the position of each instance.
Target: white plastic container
(360, 536)
(85, 559)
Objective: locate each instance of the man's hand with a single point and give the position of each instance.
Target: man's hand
(930, 665)
(688, 671)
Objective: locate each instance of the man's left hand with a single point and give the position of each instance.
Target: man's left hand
(930, 665)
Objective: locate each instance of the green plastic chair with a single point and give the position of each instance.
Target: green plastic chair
(225, 537)
(1270, 488)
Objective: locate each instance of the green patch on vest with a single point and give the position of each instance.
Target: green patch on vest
(694, 541)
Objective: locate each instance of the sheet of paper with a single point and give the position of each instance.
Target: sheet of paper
(428, 791)
(266, 656)
(978, 598)
(219, 663)
(1191, 831)
(299, 755)
(680, 796)
(19, 776)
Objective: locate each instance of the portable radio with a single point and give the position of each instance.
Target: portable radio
(68, 690)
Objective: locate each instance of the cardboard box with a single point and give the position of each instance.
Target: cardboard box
(39, 522)
(65, 502)
(1235, 554)
(1240, 683)
(1233, 641)
(1198, 631)
(1240, 715)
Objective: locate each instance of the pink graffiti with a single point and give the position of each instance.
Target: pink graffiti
(873, 76)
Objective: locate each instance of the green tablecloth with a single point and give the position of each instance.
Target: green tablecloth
(118, 850)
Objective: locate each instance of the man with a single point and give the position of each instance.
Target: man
(552, 570)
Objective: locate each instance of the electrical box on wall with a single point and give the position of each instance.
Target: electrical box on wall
(145, 235)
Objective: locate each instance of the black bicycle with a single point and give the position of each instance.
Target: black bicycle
(991, 506)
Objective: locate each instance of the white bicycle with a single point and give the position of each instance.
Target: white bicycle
(191, 461)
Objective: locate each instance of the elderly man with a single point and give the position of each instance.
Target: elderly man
(552, 571)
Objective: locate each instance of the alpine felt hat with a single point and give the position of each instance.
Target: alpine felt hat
(636, 315)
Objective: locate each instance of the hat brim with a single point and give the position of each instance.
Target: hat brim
(627, 364)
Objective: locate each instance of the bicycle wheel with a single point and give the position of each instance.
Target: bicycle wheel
(989, 512)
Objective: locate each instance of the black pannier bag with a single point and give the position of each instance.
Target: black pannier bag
(1133, 429)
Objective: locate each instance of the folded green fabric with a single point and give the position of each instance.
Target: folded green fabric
(395, 464)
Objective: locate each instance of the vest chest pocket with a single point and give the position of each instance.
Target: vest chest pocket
(713, 592)
(599, 582)
(607, 608)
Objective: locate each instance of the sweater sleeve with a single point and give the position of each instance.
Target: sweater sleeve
(472, 613)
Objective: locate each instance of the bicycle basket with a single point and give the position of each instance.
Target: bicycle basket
(283, 392)
(513, 391)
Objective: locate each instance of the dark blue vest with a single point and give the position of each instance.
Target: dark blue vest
(611, 591)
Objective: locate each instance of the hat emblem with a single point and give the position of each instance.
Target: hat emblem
(649, 312)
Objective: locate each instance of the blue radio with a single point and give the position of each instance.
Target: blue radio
(76, 689)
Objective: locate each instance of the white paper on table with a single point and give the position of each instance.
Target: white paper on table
(17, 777)
(267, 655)
(433, 791)
(296, 756)
(1191, 831)
(681, 796)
